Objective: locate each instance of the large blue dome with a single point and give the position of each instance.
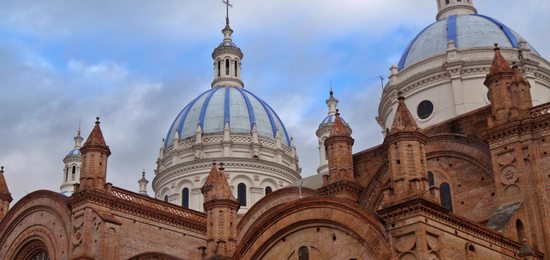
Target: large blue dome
(235, 105)
(466, 31)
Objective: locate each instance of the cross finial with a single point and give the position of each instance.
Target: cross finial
(227, 5)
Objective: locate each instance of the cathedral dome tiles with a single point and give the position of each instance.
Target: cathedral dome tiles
(465, 31)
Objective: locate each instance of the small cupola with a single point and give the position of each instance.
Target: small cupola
(448, 8)
(227, 59)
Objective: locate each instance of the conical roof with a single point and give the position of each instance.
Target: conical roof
(216, 185)
(403, 120)
(95, 139)
(339, 127)
(500, 65)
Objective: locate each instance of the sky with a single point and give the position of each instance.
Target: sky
(137, 63)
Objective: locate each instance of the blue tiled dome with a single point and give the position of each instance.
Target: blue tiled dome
(75, 151)
(237, 106)
(467, 31)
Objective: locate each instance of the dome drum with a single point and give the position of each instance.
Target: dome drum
(256, 175)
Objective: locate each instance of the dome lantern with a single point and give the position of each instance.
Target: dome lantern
(448, 8)
(227, 59)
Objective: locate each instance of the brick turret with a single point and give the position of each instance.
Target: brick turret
(221, 208)
(94, 160)
(405, 145)
(509, 92)
(340, 181)
(339, 152)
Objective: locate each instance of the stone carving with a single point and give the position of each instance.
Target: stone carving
(509, 175)
(405, 243)
(506, 159)
(78, 223)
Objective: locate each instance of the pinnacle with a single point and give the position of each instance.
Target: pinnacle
(338, 127)
(216, 184)
(95, 139)
(403, 121)
(500, 65)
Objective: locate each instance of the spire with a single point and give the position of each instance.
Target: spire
(4, 191)
(403, 120)
(96, 140)
(227, 58)
(143, 184)
(448, 8)
(339, 127)
(331, 102)
(500, 65)
(216, 186)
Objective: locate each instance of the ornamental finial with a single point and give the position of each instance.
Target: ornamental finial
(227, 5)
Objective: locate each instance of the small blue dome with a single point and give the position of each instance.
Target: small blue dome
(237, 106)
(330, 118)
(75, 151)
(466, 31)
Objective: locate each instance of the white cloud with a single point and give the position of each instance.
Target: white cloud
(103, 70)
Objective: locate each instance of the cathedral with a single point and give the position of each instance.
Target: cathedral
(463, 171)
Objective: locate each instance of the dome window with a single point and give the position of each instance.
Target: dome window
(425, 109)
(185, 198)
(268, 190)
(241, 194)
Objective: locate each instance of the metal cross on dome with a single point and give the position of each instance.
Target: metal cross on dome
(227, 5)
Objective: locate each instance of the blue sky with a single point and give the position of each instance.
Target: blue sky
(137, 63)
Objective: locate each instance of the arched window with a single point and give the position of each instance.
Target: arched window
(520, 230)
(236, 69)
(227, 67)
(431, 180)
(268, 190)
(185, 198)
(219, 68)
(447, 1)
(67, 174)
(166, 198)
(41, 255)
(241, 194)
(445, 195)
(73, 173)
(303, 253)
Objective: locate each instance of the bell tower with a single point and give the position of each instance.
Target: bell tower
(448, 8)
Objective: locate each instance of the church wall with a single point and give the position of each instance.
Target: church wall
(426, 236)
(118, 235)
(472, 188)
(322, 242)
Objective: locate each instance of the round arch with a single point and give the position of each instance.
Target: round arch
(39, 221)
(274, 225)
